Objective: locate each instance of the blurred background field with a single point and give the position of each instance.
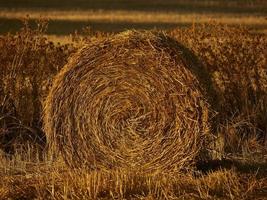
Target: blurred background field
(117, 15)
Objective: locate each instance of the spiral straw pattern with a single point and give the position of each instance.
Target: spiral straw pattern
(128, 100)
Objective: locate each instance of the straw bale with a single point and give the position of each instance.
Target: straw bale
(128, 100)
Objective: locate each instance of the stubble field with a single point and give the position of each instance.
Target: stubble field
(226, 158)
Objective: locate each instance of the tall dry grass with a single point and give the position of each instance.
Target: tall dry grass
(236, 61)
(28, 62)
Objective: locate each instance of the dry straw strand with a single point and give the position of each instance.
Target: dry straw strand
(129, 100)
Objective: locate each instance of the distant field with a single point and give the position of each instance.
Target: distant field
(66, 22)
(203, 6)
(113, 16)
(66, 27)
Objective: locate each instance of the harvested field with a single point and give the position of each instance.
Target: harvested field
(153, 139)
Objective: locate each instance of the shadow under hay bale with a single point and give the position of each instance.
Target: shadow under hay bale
(129, 100)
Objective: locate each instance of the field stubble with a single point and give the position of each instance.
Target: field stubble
(236, 62)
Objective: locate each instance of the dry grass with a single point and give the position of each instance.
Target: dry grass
(52, 180)
(64, 39)
(234, 61)
(28, 62)
(130, 100)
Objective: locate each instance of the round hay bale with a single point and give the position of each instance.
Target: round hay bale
(129, 100)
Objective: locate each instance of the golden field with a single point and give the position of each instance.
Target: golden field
(229, 48)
